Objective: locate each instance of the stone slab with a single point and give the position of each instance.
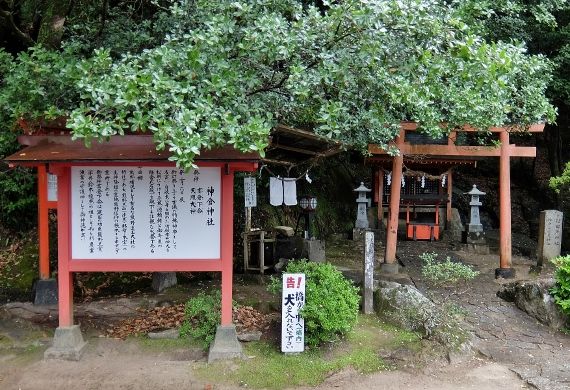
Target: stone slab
(225, 345)
(68, 344)
(254, 335)
(549, 235)
(45, 292)
(315, 250)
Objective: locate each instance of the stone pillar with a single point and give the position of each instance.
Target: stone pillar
(368, 306)
(549, 235)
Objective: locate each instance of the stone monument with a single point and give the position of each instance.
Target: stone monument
(549, 235)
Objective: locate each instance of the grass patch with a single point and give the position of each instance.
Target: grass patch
(267, 367)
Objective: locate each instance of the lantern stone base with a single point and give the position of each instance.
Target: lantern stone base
(505, 273)
(45, 292)
(225, 345)
(470, 237)
(68, 344)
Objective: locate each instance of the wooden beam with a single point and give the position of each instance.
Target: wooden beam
(534, 128)
(460, 151)
(293, 149)
(278, 162)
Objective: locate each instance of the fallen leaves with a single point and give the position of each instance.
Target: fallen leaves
(246, 318)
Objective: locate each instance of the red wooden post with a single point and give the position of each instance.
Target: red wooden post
(449, 197)
(505, 201)
(43, 222)
(380, 197)
(227, 227)
(392, 228)
(64, 275)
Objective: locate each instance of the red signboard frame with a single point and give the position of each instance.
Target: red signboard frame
(68, 265)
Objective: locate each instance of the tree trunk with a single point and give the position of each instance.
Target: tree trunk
(53, 21)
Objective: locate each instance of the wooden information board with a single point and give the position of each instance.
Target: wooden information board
(128, 212)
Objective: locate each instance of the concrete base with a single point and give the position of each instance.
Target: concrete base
(162, 280)
(68, 344)
(45, 292)
(226, 345)
(505, 273)
(315, 250)
(390, 268)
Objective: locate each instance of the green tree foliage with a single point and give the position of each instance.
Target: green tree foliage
(226, 72)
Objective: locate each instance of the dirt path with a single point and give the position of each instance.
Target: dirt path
(503, 333)
(515, 351)
(114, 364)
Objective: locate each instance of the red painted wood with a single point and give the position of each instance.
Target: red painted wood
(392, 227)
(43, 223)
(380, 197)
(65, 280)
(227, 214)
(67, 265)
(449, 196)
(144, 265)
(505, 201)
(458, 151)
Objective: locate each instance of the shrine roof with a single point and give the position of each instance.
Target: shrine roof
(52, 142)
(292, 146)
(128, 148)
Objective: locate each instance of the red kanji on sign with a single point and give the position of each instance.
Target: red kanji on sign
(290, 282)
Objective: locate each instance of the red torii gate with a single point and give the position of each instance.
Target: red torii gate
(505, 151)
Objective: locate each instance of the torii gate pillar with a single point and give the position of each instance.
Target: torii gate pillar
(505, 270)
(390, 265)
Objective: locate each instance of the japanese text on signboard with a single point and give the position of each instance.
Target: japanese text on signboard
(145, 212)
(292, 324)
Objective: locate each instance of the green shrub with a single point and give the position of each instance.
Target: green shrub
(444, 272)
(18, 207)
(331, 301)
(202, 316)
(561, 290)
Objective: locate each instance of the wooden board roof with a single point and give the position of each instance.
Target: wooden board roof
(128, 148)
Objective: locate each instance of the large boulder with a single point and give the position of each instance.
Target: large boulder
(406, 307)
(533, 297)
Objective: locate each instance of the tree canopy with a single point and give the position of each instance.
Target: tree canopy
(202, 74)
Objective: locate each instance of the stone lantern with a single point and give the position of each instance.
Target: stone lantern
(474, 233)
(363, 202)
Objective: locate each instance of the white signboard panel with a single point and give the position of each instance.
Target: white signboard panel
(52, 188)
(292, 325)
(145, 213)
(249, 191)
